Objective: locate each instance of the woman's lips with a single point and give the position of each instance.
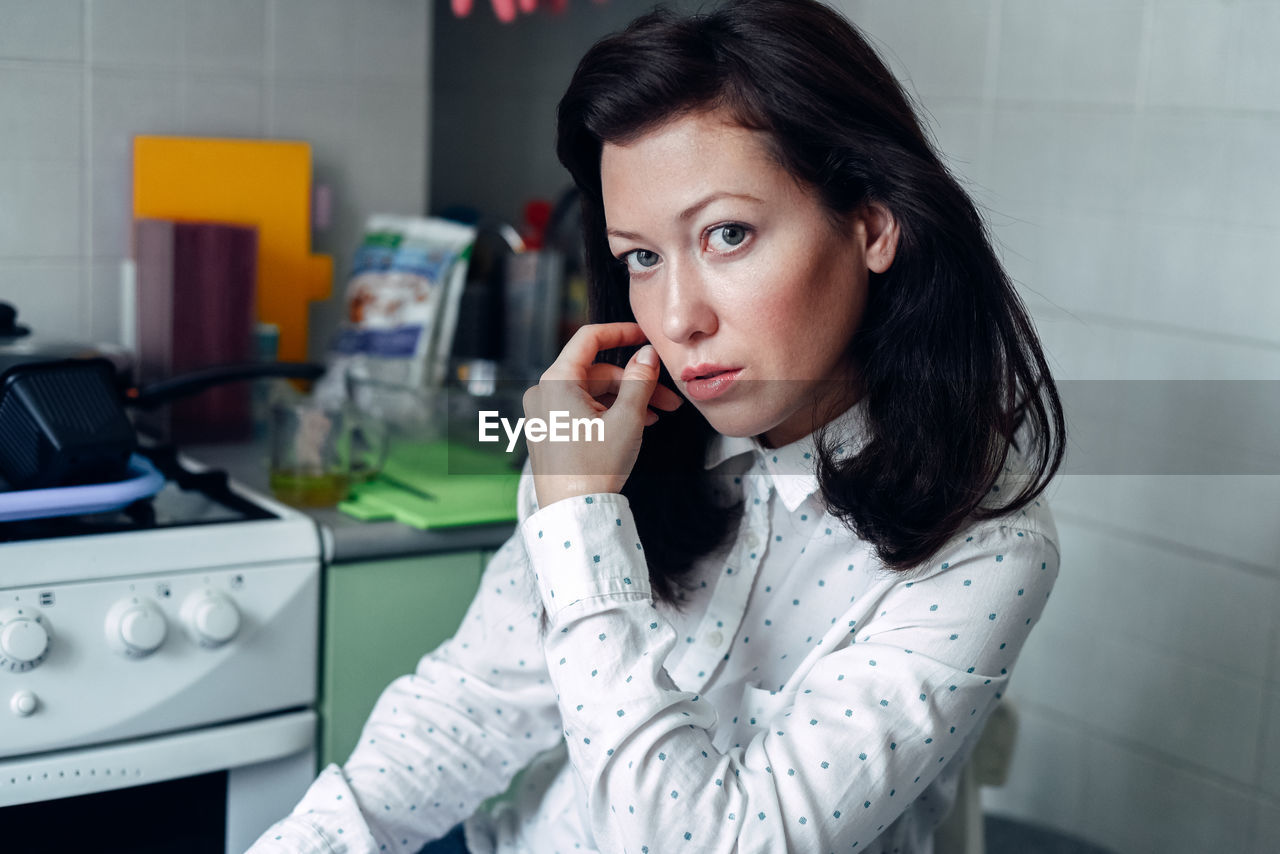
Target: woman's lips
(702, 385)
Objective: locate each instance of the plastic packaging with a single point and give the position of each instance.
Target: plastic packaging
(401, 309)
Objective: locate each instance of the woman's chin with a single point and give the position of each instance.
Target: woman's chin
(734, 423)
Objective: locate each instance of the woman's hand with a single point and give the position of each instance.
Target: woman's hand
(595, 460)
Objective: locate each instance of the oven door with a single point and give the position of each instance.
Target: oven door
(211, 790)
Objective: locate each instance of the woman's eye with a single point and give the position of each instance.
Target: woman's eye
(725, 238)
(640, 260)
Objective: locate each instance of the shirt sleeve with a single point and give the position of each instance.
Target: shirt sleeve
(442, 739)
(832, 759)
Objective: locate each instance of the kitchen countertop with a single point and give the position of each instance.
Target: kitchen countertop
(348, 539)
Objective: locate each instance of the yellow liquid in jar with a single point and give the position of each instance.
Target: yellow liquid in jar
(300, 489)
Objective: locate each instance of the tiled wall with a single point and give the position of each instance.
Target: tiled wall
(78, 78)
(1128, 152)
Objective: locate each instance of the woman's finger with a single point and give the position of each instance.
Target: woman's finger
(602, 378)
(665, 399)
(638, 383)
(602, 383)
(581, 350)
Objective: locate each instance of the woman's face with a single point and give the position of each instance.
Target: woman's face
(738, 278)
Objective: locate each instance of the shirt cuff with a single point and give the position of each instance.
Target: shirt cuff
(326, 821)
(586, 548)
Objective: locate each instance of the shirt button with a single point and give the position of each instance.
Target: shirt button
(715, 638)
(753, 541)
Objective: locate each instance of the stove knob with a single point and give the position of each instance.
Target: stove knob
(212, 618)
(24, 703)
(24, 638)
(136, 627)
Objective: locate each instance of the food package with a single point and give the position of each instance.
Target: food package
(400, 310)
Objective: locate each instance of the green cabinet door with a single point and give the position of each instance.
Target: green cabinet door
(380, 617)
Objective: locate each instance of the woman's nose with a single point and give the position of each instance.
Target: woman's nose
(688, 311)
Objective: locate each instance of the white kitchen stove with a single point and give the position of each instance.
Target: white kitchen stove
(174, 639)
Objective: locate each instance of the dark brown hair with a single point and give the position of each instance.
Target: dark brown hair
(947, 357)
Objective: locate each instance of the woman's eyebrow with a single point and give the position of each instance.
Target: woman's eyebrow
(625, 235)
(693, 209)
(689, 212)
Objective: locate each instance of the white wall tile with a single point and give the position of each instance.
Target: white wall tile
(310, 39)
(1084, 262)
(1092, 167)
(39, 209)
(50, 29)
(1070, 50)
(382, 116)
(1093, 347)
(1134, 692)
(1217, 278)
(939, 48)
(1180, 165)
(1214, 615)
(1055, 669)
(1047, 774)
(1266, 839)
(1171, 427)
(958, 130)
(319, 115)
(40, 112)
(1233, 517)
(387, 40)
(226, 36)
(1023, 151)
(1210, 278)
(1072, 159)
(223, 106)
(125, 105)
(102, 311)
(1269, 773)
(1134, 803)
(1251, 162)
(1017, 237)
(1254, 81)
(47, 296)
(169, 67)
(145, 33)
(1190, 53)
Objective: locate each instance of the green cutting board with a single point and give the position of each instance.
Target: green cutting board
(438, 485)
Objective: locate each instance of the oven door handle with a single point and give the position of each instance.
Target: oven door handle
(141, 761)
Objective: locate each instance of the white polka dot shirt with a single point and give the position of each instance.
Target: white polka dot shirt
(801, 698)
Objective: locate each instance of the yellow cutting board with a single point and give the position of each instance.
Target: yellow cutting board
(262, 183)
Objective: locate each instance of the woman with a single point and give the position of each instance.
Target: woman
(770, 612)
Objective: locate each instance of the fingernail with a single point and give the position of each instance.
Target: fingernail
(646, 356)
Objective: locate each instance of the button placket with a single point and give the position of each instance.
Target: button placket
(728, 603)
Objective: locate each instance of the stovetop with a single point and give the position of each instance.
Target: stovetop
(184, 598)
(189, 497)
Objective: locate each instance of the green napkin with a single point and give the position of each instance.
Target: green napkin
(438, 485)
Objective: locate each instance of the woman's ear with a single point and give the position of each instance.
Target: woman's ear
(879, 229)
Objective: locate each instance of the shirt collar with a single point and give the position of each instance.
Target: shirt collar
(793, 467)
